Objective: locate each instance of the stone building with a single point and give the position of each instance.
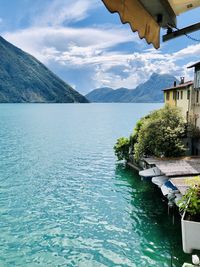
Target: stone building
(186, 96)
(180, 96)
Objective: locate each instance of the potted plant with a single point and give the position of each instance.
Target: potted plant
(190, 222)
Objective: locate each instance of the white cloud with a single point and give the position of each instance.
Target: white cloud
(61, 11)
(92, 49)
(77, 46)
(97, 54)
(188, 52)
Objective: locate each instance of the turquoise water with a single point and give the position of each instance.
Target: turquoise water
(63, 199)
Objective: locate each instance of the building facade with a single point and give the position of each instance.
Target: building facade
(186, 96)
(195, 97)
(180, 96)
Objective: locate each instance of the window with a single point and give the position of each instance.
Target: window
(167, 96)
(188, 94)
(181, 94)
(178, 95)
(197, 96)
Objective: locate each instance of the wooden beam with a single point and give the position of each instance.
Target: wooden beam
(178, 33)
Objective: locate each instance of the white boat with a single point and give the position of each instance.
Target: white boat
(149, 173)
(159, 180)
(168, 188)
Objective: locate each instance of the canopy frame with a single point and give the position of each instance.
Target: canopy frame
(180, 32)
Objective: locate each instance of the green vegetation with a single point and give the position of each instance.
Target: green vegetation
(190, 202)
(159, 134)
(24, 79)
(122, 148)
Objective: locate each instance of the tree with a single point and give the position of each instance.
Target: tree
(161, 134)
(121, 148)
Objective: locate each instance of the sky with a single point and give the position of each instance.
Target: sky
(89, 48)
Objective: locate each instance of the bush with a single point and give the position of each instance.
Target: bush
(121, 148)
(161, 134)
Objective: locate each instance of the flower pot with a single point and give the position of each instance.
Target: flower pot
(190, 234)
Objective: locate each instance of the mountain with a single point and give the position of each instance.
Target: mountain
(24, 79)
(99, 95)
(150, 91)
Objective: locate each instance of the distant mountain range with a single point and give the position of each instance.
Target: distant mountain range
(24, 79)
(150, 91)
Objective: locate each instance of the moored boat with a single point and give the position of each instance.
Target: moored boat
(159, 180)
(168, 188)
(149, 173)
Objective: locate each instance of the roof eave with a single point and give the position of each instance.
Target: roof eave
(183, 86)
(194, 65)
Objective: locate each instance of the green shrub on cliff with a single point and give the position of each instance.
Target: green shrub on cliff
(159, 134)
(121, 148)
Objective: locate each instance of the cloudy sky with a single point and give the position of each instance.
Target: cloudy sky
(88, 47)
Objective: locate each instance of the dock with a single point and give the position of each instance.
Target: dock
(174, 167)
(174, 177)
(179, 170)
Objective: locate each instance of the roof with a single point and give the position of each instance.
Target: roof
(173, 167)
(194, 65)
(180, 86)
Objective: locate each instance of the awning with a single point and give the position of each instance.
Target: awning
(132, 12)
(148, 16)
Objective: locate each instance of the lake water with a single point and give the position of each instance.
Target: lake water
(63, 199)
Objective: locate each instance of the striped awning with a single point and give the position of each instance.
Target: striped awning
(132, 12)
(148, 16)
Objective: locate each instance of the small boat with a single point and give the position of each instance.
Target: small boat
(149, 173)
(159, 180)
(168, 187)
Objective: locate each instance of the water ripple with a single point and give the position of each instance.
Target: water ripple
(64, 202)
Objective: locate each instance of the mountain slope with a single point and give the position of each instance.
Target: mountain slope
(150, 91)
(24, 79)
(99, 95)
